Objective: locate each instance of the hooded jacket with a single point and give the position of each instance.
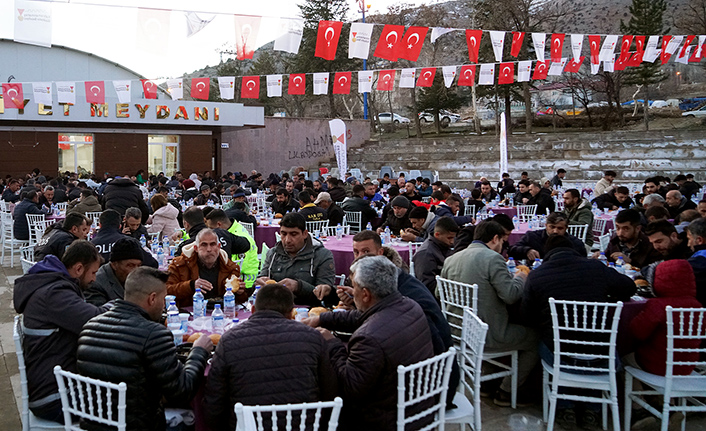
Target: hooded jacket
(428, 261)
(54, 311)
(86, 204)
(312, 265)
(164, 221)
(121, 194)
(55, 242)
(582, 214)
(674, 284)
(250, 262)
(443, 210)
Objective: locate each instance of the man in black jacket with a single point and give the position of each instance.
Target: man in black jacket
(309, 210)
(10, 192)
(543, 201)
(357, 203)
(398, 219)
(126, 256)
(53, 310)
(430, 257)
(121, 194)
(614, 199)
(109, 233)
(268, 359)
(29, 205)
(334, 213)
(59, 237)
(696, 232)
(284, 203)
(128, 344)
(194, 222)
(531, 246)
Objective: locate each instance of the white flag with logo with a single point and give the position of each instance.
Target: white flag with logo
(274, 85)
(651, 50)
(290, 35)
(321, 83)
(359, 40)
(557, 68)
(523, 70)
(33, 22)
(684, 59)
(497, 38)
(539, 40)
(365, 81)
(503, 145)
(674, 44)
(338, 137)
(608, 48)
(66, 92)
(437, 32)
(194, 23)
(407, 78)
(226, 84)
(595, 67)
(702, 40)
(175, 88)
(122, 89)
(487, 74)
(576, 45)
(449, 75)
(609, 65)
(42, 93)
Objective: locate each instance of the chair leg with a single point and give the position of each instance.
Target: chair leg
(627, 406)
(665, 414)
(545, 394)
(604, 414)
(552, 412)
(683, 419)
(515, 366)
(615, 412)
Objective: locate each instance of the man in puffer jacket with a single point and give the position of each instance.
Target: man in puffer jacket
(128, 344)
(121, 194)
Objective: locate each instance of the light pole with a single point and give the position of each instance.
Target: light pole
(363, 6)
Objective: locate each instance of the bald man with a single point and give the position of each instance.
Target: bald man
(677, 203)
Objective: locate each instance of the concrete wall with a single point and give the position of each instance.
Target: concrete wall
(284, 143)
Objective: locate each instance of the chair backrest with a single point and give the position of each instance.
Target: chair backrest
(27, 258)
(559, 204)
(331, 230)
(413, 247)
(3, 206)
(354, 220)
(63, 206)
(263, 254)
(472, 345)
(17, 337)
(226, 198)
(421, 391)
(415, 173)
(313, 226)
(586, 331)
(578, 230)
(248, 227)
(94, 216)
(32, 220)
(684, 327)
(428, 174)
(291, 416)
(469, 210)
(339, 280)
(454, 297)
(603, 241)
(599, 226)
(526, 212)
(40, 227)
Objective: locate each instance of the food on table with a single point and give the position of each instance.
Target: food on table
(523, 268)
(317, 311)
(193, 337)
(278, 215)
(270, 282)
(215, 338)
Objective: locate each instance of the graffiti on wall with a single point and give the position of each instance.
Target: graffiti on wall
(315, 147)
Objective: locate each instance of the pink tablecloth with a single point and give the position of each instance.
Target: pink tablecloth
(343, 252)
(509, 211)
(518, 233)
(56, 218)
(266, 234)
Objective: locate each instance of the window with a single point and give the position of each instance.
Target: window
(76, 153)
(163, 154)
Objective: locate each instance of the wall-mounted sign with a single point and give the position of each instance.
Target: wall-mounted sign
(225, 145)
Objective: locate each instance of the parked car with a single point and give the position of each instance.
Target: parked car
(385, 118)
(701, 112)
(691, 103)
(445, 117)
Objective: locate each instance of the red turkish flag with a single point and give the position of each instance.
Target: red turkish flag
(687, 42)
(389, 42)
(327, 39)
(507, 73)
(14, 94)
(694, 58)
(411, 45)
(149, 89)
(473, 38)
(467, 76)
(636, 58)
(557, 47)
(664, 55)
(517, 38)
(620, 64)
(625, 47)
(297, 84)
(95, 91)
(541, 69)
(574, 66)
(386, 80)
(426, 77)
(342, 83)
(250, 88)
(200, 88)
(594, 43)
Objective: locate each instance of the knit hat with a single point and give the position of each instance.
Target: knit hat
(188, 184)
(239, 193)
(126, 248)
(418, 212)
(400, 201)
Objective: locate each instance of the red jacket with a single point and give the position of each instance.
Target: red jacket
(674, 285)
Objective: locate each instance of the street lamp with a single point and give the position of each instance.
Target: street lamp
(678, 79)
(363, 7)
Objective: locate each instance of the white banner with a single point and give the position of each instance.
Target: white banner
(651, 50)
(175, 87)
(674, 44)
(609, 66)
(497, 38)
(226, 85)
(486, 74)
(321, 83)
(291, 30)
(503, 145)
(246, 31)
(33, 22)
(42, 93)
(437, 32)
(449, 75)
(539, 41)
(365, 81)
(274, 85)
(195, 23)
(523, 70)
(576, 45)
(608, 48)
(557, 68)
(66, 92)
(338, 137)
(359, 40)
(702, 40)
(122, 89)
(595, 68)
(407, 78)
(685, 58)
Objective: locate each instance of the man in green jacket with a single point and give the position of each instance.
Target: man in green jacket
(481, 263)
(217, 219)
(578, 211)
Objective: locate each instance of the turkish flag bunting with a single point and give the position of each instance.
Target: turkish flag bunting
(13, 92)
(517, 38)
(412, 43)
(620, 64)
(297, 84)
(664, 55)
(149, 89)
(426, 77)
(594, 42)
(389, 42)
(327, 39)
(473, 41)
(386, 80)
(574, 66)
(625, 47)
(695, 58)
(541, 69)
(688, 41)
(95, 91)
(467, 76)
(250, 88)
(507, 73)
(200, 88)
(557, 46)
(342, 83)
(636, 58)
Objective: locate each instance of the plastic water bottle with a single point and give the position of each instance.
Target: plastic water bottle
(388, 235)
(491, 214)
(173, 314)
(160, 256)
(594, 208)
(233, 323)
(368, 226)
(217, 321)
(229, 304)
(253, 297)
(339, 232)
(537, 263)
(620, 265)
(516, 222)
(199, 304)
(603, 259)
(511, 267)
(165, 243)
(143, 241)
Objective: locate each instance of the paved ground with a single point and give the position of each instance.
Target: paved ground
(494, 418)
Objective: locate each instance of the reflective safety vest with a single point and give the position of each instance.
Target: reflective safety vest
(250, 264)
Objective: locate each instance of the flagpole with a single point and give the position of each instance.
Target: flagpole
(365, 65)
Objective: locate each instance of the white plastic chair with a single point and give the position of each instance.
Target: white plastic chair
(415, 173)
(263, 254)
(603, 241)
(559, 204)
(598, 226)
(572, 322)
(579, 231)
(63, 206)
(94, 216)
(413, 247)
(249, 227)
(456, 296)
(426, 199)
(27, 258)
(31, 220)
(3, 206)
(354, 220)
(331, 230)
(29, 421)
(226, 198)
(526, 212)
(425, 380)
(278, 237)
(91, 399)
(9, 242)
(469, 210)
(250, 418)
(313, 226)
(683, 324)
(471, 356)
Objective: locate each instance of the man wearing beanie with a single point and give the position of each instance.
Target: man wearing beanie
(125, 257)
(398, 219)
(190, 190)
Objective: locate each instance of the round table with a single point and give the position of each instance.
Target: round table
(343, 252)
(509, 211)
(518, 233)
(266, 234)
(56, 218)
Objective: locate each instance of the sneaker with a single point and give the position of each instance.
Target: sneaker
(504, 399)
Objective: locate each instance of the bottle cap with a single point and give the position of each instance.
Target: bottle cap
(172, 302)
(217, 306)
